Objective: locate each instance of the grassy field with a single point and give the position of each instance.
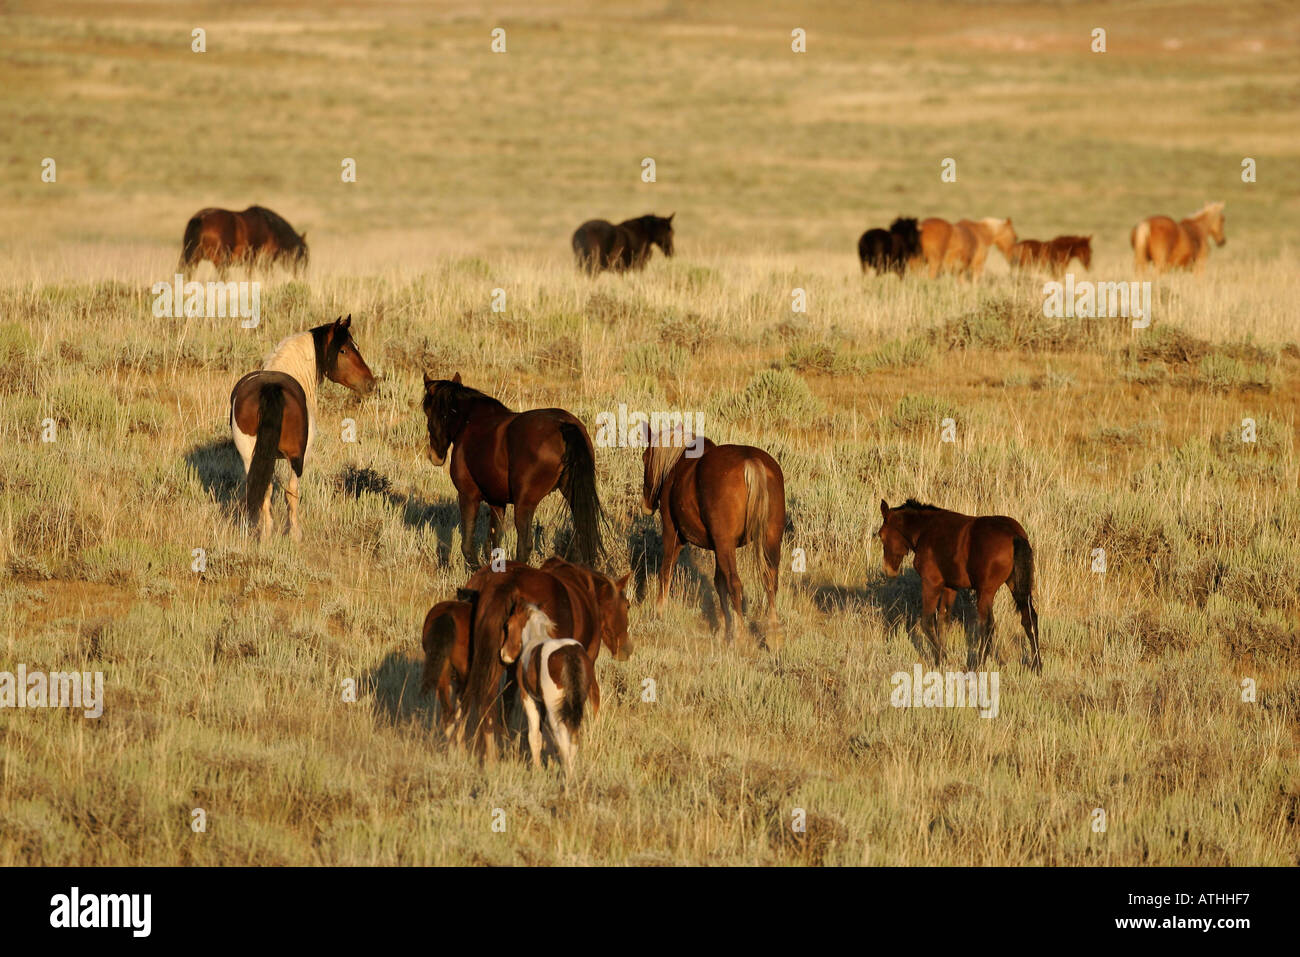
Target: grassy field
(224, 688)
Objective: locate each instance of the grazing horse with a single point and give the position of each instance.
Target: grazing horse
(598, 244)
(962, 247)
(721, 498)
(273, 410)
(1165, 244)
(554, 676)
(962, 551)
(225, 238)
(585, 605)
(890, 249)
(445, 639)
(512, 458)
(1054, 255)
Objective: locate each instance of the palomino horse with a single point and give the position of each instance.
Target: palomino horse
(1053, 256)
(225, 238)
(512, 458)
(586, 606)
(890, 249)
(961, 551)
(599, 244)
(720, 498)
(554, 676)
(273, 410)
(962, 247)
(1165, 244)
(445, 639)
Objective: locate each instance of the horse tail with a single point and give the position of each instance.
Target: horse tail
(1140, 239)
(578, 478)
(577, 684)
(757, 501)
(190, 243)
(266, 447)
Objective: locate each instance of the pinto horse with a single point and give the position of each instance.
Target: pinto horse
(585, 605)
(273, 410)
(598, 244)
(445, 640)
(719, 497)
(554, 677)
(963, 247)
(1054, 255)
(512, 458)
(962, 551)
(226, 238)
(890, 249)
(1165, 244)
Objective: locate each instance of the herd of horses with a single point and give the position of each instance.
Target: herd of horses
(518, 638)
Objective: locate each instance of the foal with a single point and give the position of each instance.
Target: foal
(961, 551)
(554, 675)
(445, 639)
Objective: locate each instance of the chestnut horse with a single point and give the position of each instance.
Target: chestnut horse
(1054, 255)
(226, 238)
(1165, 244)
(273, 410)
(890, 249)
(722, 498)
(445, 639)
(598, 244)
(962, 551)
(554, 677)
(512, 458)
(585, 605)
(962, 247)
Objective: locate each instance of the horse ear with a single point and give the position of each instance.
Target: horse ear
(428, 381)
(456, 378)
(884, 509)
(346, 322)
(671, 215)
(621, 584)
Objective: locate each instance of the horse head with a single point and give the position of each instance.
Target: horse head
(1213, 218)
(526, 624)
(442, 413)
(660, 231)
(339, 359)
(612, 605)
(896, 545)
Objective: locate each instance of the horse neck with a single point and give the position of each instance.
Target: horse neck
(296, 357)
(482, 409)
(1197, 226)
(912, 522)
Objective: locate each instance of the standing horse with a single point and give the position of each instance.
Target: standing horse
(585, 605)
(962, 551)
(445, 640)
(598, 244)
(1165, 244)
(890, 249)
(512, 458)
(554, 676)
(273, 410)
(723, 498)
(962, 247)
(226, 238)
(1053, 256)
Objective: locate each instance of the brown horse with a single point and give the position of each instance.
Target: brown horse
(512, 458)
(273, 410)
(962, 551)
(585, 605)
(226, 238)
(445, 639)
(598, 244)
(1053, 256)
(1165, 244)
(963, 247)
(720, 498)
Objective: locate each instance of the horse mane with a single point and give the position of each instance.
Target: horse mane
(446, 393)
(920, 506)
(284, 233)
(664, 457)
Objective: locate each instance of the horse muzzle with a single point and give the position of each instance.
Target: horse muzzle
(434, 457)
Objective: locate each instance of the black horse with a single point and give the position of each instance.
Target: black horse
(883, 249)
(599, 244)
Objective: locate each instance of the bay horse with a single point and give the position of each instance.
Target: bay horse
(226, 238)
(512, 458)
(445, 638)
(1165, 244)
(554, 677)
(585, 605)
(721, 499)
(1053, 255)
(598, 244)
(273, 410)
(963, 247)
(955, 551)
(890, 249)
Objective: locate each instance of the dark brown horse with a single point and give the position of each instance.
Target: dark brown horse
(586, 606)
(257, 236)
(890, 249)
(445, 639)
(718, 497)
(955, 551)
(1052, 256)
(512, 458)
(599, 244)
(273, 410)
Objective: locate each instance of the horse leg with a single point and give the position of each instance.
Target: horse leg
(726, 579)
(264, 513)
(770, 566)
(524, 530)
(930, 618)
(534, 727)
(291, 497)
(496, 521)
(672, 547)
(469, 503)
(984, 612)
(1029, 621)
